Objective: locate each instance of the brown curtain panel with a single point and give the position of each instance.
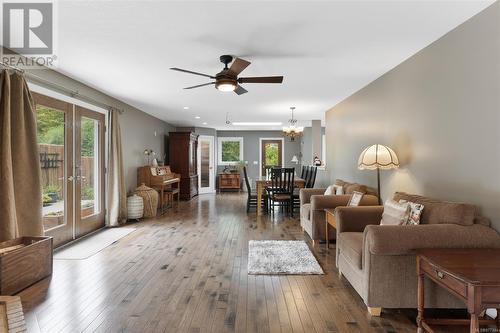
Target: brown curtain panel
(117, 193)
(20, 189)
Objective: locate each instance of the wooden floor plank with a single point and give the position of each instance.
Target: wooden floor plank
(186, 271)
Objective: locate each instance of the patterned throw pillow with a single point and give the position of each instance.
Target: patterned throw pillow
(355, 199)
(395, 213)
(416, 210)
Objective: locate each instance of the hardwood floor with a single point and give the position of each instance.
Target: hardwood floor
(187, 272)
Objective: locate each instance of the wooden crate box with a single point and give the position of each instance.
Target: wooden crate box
(23, 262)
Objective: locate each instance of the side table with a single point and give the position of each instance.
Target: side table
(329, 220)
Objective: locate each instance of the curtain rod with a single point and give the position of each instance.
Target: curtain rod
(72, 93)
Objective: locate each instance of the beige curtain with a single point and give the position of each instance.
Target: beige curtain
(117, 193)
(20, 189)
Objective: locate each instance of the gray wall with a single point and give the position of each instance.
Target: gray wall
(322, 175)
(138, 128)
(306, 145)
(440, 111)
(251, 148)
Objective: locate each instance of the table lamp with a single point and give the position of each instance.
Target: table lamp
(378, 157)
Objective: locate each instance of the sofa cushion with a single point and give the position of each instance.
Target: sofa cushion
(305, 211)
(441, 212)
(351, 246)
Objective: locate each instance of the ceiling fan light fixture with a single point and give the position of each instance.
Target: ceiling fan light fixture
(225, 85)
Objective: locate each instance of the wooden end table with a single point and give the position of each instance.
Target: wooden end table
(473, 275)
(329, 220)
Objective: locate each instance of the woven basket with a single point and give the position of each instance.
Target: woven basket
(150, 198)
(135, 207)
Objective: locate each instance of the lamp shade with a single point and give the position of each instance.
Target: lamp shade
(378, 157)
(294, 159)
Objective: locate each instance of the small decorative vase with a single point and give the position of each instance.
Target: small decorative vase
(135, 207)
(150, 197)
(155, 162)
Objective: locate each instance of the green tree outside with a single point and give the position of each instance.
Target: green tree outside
(50, 129)
(272, 153)
(230, 151)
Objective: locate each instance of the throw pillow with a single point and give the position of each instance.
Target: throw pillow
(355, 199)
(395, 213)
(415, 212)
(339, 190)
(330, 190)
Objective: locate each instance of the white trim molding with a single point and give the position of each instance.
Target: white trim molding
(222, 139)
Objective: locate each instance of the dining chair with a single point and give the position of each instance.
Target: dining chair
(312, 177)
(281, 190)
(252, 194)
(303, 172)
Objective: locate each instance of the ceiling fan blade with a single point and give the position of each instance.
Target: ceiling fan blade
(239, 65)
(191, 72)
(200, 85)
(240, 90)
(261, 79)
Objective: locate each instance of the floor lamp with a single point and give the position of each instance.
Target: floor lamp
(377, 157)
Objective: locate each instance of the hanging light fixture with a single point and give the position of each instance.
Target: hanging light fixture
(292, 130)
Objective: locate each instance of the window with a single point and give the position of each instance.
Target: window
(230, 150)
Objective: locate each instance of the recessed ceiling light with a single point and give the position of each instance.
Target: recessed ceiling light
(197, 117)
(186, 108)
(256, 123)
(205, 123)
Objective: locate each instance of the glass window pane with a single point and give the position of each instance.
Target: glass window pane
(51, 146)
(272, 154)
(230, 151)
(89, 167)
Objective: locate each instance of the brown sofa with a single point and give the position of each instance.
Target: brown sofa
(313, 203)
(379, 260)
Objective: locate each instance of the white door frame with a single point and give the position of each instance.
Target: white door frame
(211, 188)
(282, 152)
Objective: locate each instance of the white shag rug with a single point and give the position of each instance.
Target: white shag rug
(281, 257)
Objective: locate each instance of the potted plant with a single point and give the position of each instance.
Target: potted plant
(52, 191)
(239, 167)
(46, 200)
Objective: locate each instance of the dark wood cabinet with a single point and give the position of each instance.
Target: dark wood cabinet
(229, 181)
(182, 149)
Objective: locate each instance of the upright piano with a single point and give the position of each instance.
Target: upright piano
(162, 179)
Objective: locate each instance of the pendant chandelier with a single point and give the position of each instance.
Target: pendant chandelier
(292, 130)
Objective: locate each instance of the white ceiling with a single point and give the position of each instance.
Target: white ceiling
(325, 51)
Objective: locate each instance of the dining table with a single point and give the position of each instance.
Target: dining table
(263, 181)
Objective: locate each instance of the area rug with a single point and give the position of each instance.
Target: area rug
(92, 244)
(281, 257)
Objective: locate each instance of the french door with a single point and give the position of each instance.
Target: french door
(206, 162)
(271, 154)
(71, 145)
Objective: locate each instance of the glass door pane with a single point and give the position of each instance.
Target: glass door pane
(204, 163)
(206, 181)
(89, 167)
(54, 137)
(271, 154)
(89, 170)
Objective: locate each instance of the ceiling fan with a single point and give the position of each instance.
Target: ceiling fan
(228, 80)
